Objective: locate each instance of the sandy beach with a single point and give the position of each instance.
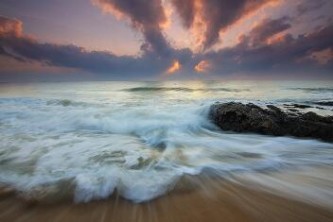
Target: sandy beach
(202, 199)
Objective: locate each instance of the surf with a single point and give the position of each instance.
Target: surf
(93, 144)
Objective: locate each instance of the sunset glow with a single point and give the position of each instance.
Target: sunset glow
(107, 39)
(202, 66)
(174, 67)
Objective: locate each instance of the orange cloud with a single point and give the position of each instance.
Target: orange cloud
(10, 26)
(174, 67)
(202, 66)
(207, 19)
(275, 39)
(323, 57)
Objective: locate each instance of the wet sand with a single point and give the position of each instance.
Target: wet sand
(204, 199)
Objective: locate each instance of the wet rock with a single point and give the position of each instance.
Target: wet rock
(240, 117)
(293, 110)
(324, 103)
(299, 106)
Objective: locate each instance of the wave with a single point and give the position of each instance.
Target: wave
(67, 102)
(140, 152)
(324, 103)
(63, 148)
(26, 101)
(182, 89)
(321, 89)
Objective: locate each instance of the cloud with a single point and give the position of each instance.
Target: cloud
(265, 30)
(255, 54)
(215, 15)
(186, 10)
(174, 67)
(322, 56)
(202, 67)
(147, 16)
(10, 27)
(14, 44)
(288, 54)
(306, 6)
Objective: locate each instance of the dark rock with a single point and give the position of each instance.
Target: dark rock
(324, 103)
(274, 108)
(299, 106)
(272, 121)
(293, 110)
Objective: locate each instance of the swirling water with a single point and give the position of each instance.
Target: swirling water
(140, 138)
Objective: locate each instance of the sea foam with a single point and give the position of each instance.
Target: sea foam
(138, 145)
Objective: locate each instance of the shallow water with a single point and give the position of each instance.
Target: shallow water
(140, 138)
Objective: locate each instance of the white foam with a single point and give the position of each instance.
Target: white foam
(91, 187)
(139, 145)
(146, 185)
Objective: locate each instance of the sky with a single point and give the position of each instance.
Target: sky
(73, 40)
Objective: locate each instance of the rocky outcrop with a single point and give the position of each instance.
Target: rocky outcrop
(240, 117)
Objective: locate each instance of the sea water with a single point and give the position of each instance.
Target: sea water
(141, 138)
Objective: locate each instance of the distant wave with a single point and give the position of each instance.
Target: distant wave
(65, 102)
(182, 89)
(324, 103)
(41, 102)
(314, 89)
(71, 103)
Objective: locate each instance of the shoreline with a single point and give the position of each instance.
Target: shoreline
(206, 199)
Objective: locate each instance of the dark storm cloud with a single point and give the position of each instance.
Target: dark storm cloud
(266, 29)
(267, 48)
(28, 50)
(147, 16)
(185, 10)
(307, 6)
(218, 15)
(285, 53)
(14, 44)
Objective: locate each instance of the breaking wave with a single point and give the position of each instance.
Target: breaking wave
(316, 90)
(81, 144)
(183, 89)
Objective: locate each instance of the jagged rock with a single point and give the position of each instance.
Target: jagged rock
(240, 117)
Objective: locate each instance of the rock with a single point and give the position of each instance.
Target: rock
(272, 121)
(299, 106)
(293, 110)
(324, 103)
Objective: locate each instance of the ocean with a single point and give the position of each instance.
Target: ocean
(141, 138)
